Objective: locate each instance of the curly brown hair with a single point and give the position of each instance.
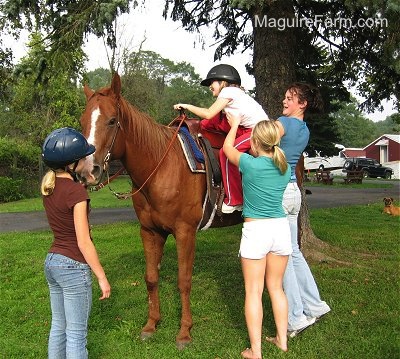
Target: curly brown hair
(307, 93)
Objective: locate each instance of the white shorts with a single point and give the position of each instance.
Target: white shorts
(262, 236)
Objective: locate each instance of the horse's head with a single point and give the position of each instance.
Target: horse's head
(100, 125)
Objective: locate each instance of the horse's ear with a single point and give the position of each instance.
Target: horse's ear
(116, 84)
(88, 92)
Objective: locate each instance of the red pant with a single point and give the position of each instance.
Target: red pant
(230, 173)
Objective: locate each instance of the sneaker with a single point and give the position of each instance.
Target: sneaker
(230, 209)
(320, 316)
(293, 333)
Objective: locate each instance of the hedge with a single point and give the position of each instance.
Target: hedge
(19, 169)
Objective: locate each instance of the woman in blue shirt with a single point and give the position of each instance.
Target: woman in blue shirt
(305, 304)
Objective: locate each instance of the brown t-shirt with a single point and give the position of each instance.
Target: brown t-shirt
(59, 208)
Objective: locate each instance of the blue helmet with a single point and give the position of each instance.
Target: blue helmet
(65, 146)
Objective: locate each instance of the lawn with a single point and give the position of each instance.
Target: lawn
(98, 199)
(104, 198)
(361, 284)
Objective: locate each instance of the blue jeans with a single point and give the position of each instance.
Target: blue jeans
(298, 282)
(70, 284)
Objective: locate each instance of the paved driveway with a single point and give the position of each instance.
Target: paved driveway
(321, 197)
(329, 196)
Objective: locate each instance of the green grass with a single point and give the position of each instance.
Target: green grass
(98, 199)
(361, 285)
(105, 198)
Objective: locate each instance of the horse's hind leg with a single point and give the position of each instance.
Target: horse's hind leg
(153, 244)
(185, 243)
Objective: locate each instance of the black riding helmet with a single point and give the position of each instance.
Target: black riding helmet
(65, 146)
(222, 72)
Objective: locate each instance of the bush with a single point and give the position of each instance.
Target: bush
(19, 169)
(10, 189)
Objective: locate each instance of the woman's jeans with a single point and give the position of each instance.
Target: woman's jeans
(70, 284)
(298, 282)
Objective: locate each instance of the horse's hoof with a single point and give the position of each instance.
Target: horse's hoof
(182, 344)
(145, 335)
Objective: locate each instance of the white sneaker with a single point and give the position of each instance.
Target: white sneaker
(230, 209)
(320, 316)
(293, 333)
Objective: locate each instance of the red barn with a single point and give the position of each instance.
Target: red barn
(354, 152)
(385, 148)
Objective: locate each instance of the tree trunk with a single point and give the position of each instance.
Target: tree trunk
(274, 54)
(310, 244)
(274, 66)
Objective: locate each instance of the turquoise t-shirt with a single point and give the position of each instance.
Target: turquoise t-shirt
(294, 141)
(263, 186)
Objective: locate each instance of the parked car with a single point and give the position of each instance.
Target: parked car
(370, 167)
(321, 163)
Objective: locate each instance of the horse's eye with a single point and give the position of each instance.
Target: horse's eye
(112, 122)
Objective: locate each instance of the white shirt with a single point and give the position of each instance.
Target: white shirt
(241, 104)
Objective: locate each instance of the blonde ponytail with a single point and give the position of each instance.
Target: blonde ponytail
(48, 183)
(280, 159)
(266, 136)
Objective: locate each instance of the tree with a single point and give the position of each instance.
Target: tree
(355, 130)
(6, 68)
(98, 78)
(154, 84)
(391, 125)
(65, 23)
(45, 96)
(332, 41)
(292, 39)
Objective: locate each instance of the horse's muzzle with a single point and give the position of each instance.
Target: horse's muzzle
(90, 178)
(97, 173)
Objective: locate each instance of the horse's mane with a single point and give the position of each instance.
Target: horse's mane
(144, 130)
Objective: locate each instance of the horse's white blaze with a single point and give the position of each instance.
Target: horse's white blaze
(91, 139)
(93, 120)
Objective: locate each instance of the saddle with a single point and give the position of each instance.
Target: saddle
(210, 143)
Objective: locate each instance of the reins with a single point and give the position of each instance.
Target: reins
(127, 195)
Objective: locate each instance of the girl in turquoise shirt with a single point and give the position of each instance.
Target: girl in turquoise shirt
(265, 243)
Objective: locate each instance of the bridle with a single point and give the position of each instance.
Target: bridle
(108, 154)
(107, 157)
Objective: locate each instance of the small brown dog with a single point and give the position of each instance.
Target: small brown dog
(390, 208)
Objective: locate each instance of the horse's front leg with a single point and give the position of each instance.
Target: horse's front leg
(185, 242)
(153, 244)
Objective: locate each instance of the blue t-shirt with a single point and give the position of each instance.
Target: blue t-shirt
(263, 187)
(294, 141)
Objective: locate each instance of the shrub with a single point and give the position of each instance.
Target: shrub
(19, 169)
(10, 189)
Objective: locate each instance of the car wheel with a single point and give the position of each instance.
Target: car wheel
(321, 167)
(347, 165)
(365, 174)
(388, 175)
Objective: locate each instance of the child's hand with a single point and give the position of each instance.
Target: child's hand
(105, 288)
(180, 106)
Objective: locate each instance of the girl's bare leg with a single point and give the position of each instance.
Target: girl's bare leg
(253, 274)
(275, 269)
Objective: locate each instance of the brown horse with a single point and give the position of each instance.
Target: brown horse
(171, 200)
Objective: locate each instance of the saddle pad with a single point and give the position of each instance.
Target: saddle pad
(193, 155)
